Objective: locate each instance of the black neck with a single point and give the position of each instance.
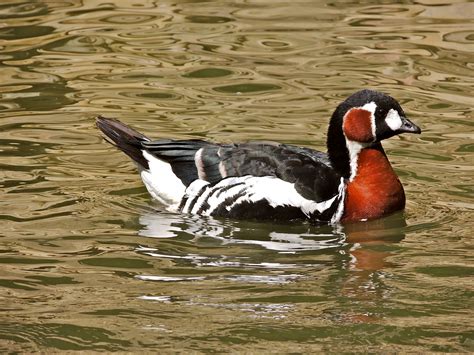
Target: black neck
(336, 144)
(339, 155)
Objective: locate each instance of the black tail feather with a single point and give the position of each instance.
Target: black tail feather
(125, 138)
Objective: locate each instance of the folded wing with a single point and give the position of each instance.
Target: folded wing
(309, 170)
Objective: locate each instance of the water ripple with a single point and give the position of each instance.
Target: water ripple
(89, 262)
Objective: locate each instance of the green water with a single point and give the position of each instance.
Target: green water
(89, 262)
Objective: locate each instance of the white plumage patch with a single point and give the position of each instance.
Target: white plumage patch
(204, 198)
(161, 182)
(354, 149)
(214, 198)
(393, 120)
(371, 107)
(278, 193)
(340, 209)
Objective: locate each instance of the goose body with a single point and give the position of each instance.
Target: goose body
(265, 180)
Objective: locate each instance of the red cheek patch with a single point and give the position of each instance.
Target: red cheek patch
(357, 125)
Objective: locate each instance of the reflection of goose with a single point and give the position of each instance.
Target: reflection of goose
(353, 181)
(280, 238)
(355, 253)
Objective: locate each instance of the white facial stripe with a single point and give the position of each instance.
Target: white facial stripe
(393, 120)
(371, 107)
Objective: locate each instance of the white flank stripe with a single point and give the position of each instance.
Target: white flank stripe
(218, 198)
(161, 182)
(215, 201)
(192, 191)
(201, 200)
(276, 191)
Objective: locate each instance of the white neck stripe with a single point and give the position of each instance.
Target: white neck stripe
(354, 147)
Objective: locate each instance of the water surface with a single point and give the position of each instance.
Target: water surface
(89, 262)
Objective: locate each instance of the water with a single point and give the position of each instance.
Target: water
(89, 262)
